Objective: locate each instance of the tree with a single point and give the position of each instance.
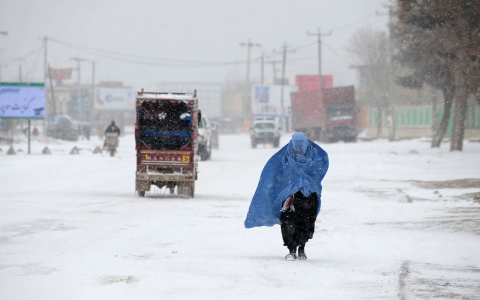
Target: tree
(439, 40)
(371, 51)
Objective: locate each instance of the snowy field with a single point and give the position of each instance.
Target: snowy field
(399, 221)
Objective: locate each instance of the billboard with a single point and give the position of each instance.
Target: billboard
(59, 74)
(267, 99)
(114, 99)
(22, 100)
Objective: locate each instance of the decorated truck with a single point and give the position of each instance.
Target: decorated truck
(326, 115)
(166, 133)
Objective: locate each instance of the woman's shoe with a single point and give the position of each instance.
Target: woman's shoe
(291, 255)
(302, 255)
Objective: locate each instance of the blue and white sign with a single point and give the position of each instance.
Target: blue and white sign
(22, 100)
(261, 94)
(268, 99)
(115, 99)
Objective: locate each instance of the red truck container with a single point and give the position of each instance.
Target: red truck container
(326, 115)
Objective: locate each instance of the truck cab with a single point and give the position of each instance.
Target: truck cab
(265, 132)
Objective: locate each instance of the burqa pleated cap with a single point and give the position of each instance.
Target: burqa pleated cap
(299, 136)
(300, 142)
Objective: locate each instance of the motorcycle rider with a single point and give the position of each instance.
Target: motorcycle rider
(111, 138)
(112, 128)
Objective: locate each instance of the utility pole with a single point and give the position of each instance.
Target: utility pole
(261, 70)
(92, 102)
(54, 106)
(246, 109)
(319, 36)
(282, 105)
(274, 65)
(19, 68)
(80, 104)
(2, 33)
(45, 39)
(284, 62)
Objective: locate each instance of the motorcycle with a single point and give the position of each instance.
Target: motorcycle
(111, 143)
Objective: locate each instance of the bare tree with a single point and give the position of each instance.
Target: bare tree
(370, 49)
(439, 40)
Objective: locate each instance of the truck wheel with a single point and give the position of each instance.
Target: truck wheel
(141, 193)
(203, 152)
(254, 144)
(192, 189)
(186, 189)
(208, 152)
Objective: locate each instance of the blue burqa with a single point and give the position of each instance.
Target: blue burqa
(298, 166)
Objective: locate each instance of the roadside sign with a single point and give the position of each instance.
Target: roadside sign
(21, 100)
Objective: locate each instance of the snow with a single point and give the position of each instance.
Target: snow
(71, 227)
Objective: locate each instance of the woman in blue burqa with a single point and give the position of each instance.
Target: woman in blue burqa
(289, 193)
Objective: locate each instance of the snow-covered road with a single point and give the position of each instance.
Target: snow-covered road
(399, 221)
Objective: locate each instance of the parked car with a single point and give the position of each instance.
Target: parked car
(62, 127)
(265, 132)
(204, 138)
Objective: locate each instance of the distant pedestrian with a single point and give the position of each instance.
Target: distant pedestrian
(86, 131)
(289, 193)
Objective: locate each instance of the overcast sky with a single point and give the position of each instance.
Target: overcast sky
(163, 41)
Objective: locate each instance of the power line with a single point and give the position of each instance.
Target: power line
(158, 61)
(304, 58)
(27, 77)
(2, 60)
(285, 49)
(25, 56)
(164, 62)
(355, 23)
(144, 60)
(334, 52)
(319, 35)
